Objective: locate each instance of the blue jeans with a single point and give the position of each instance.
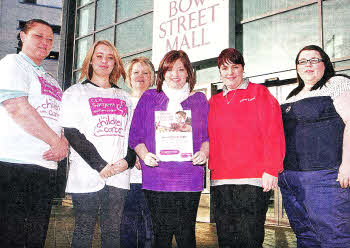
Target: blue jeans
(26, 193)
(136, 227)
(317, 207)
(109, 201)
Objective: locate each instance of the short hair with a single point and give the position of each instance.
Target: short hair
(230, 55)
(168, 62)
(27, 26)
(328, 72)
(118, 70)
(182, 113)
(142, 60)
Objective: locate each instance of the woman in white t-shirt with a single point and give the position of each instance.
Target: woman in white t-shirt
(96, 118)
(30, 139)
(136, 228)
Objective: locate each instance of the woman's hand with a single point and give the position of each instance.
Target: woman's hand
(113, 169)
(58, 151)
(106, 171)
(151, 159)
(344, 176)
(269, 182)
(137, 163)
(119, 166)
(199, 158)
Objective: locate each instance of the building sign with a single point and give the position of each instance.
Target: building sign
(199, 27)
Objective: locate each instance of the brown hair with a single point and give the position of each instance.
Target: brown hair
(118, 70)
(142, 60)
(27, 26)
(168, 62)
(230, 55)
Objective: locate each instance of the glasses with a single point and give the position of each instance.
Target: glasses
(312, 61)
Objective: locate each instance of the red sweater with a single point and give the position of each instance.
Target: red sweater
(246, 136)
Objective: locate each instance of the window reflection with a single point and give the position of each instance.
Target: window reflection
(107, 34)
(134, 35)
(271, 44)
(336, 28)
(82, 47)
(127, 9)
(85, 20)
(105, 14)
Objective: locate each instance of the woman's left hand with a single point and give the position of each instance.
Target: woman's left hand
(269, 182)
(344, 176)
(199, 158)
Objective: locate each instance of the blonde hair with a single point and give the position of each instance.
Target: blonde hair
(142, 60)
(118, 70)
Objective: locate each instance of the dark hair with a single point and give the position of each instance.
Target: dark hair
(27, 26)
(328, 71)
(232, 55)
(168, 62)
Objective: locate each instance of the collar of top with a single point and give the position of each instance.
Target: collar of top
(243, 86)
(30, 61)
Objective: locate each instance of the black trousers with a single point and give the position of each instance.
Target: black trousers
(26, 193)
(173, 213)
(240, 213)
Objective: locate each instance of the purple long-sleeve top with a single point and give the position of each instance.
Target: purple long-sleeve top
(169, 176)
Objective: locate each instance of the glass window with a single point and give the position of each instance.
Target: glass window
(85, 20)
(208, 75)
(83, 2)
(336, 28)
(254, 8)
(127, 9)
(271, 44)
(52, 3)
(147, 54)
(134, 35)
(341, 65)
(81, 49)
(347, 72)
(105, 14)
(107, 34)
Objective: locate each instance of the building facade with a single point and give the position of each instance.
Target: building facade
(268, 32)
(13, 15)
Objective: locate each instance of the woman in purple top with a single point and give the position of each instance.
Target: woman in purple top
(172, 188)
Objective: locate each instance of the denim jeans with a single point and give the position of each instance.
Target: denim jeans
(109, 204)
(26, 193)
(240, 214)
(318, 208)
(136, 226)
(173, 213)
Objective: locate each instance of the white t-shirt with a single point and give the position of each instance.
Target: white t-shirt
(20, 78)
(135, 174)
(104, 117)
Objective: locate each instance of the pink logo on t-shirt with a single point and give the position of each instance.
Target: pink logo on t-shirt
(49, 89)
(105, 106)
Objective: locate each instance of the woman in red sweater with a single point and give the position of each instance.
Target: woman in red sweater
(246, 153)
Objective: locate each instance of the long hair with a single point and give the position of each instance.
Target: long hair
(168, 62)
(27, 26)
(118, 70)
(328, 72)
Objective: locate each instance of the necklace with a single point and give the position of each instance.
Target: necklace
(227, 101)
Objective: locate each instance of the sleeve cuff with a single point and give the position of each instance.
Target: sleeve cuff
(10, 94)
